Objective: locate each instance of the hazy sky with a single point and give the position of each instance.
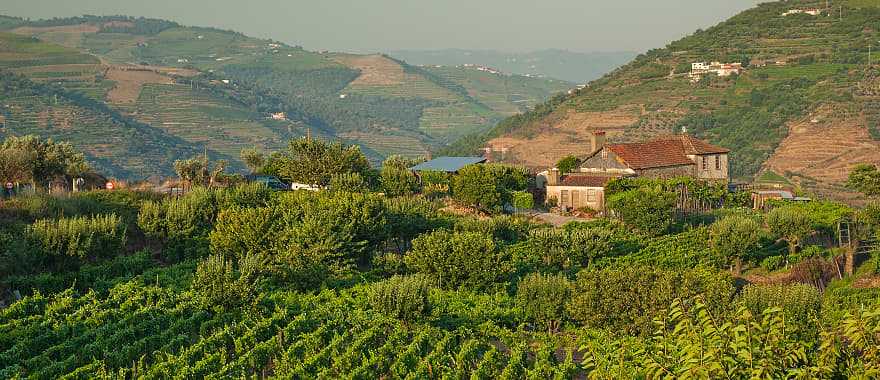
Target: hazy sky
(382, 25)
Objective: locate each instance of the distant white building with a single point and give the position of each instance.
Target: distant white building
(698, 69)
(279, 116)
(811, 12)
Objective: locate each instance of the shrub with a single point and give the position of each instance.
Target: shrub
(502, 228)
(82, 236)
(559, 249)
(462, 259)
(243, 231)
(523, 200)
(216, 285)
(649, 211)
(182, 223)
(627, 299)
(349, 182)
(402, 297)
(800, 303)
(542, 299)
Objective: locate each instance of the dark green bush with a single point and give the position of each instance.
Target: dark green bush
(217, 285)
(627, 299)
(800, 303)
(647, 210)
(402, 297)
(460, 259)
(542, 298)
(84, 237)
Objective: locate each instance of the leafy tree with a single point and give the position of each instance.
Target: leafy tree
(689, 343)
(865, 179)
(314, 162)
(254, 159)
(475, 186)
(488, 186)
(790, 224)
(647, 210)
(465, 259)
(40, 161)
(402, 297)
(734, 238)
(542, 299)
(16, 165)
(198, 171)
(568, 164)
(397, 179)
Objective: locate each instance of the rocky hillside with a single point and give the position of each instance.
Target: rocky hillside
(217, 90)
(805, 105)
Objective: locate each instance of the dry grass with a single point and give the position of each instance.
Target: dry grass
(129, 82)
(827, 149)
(376, 70)
(569, 135)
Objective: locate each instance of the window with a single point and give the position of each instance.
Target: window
(705, 162)
(717, 162)
(591, 196)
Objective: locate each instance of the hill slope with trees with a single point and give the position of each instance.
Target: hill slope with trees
(217, 90)
(805, 106)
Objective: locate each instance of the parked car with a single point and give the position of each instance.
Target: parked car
(270, 181)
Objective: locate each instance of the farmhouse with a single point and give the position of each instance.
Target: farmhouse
(668, 157)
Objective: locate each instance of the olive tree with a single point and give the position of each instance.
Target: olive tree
(789, 224)
(734, 238)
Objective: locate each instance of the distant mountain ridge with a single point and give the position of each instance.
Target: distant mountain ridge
(200, 89)
(552, 63)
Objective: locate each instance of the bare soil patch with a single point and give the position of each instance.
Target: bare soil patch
(130, 79)
(825, 146)
(376, 70)
(81, 28)
(569, 135)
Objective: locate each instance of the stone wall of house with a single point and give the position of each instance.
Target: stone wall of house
(574, 197)
(711, 166)
(668, 172)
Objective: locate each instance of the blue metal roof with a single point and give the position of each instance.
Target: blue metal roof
(448, 164)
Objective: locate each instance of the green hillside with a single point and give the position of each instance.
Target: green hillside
(799, 68)
(216, 89)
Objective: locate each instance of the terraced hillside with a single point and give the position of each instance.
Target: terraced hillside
(216, 89)
(803, 106)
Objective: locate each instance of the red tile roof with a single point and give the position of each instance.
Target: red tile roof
(671, 151)
(584, 180)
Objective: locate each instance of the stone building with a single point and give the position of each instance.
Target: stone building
(667, 157)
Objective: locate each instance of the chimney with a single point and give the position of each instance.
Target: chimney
(553, 177)
(597, 140)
